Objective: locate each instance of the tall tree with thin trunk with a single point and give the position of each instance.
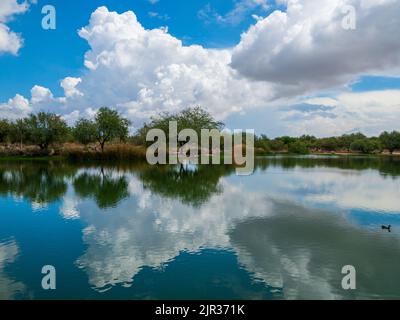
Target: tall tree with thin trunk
(110, 125)
(19, 131)
(4, 130)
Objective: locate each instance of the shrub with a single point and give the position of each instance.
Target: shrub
(46, 128)
(298, 147)
(365, 146)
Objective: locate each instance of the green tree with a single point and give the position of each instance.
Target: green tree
(197, 119)
(4, 130)
(262, 143)
(390, 141)
(192, 118)
(19, 131)
(110, 125)
(307, 139)
(298, 147)
(46, 128)
(365, 145)
(85, 131)
(286, 140)
(277, 145)
(328, 144)
(345, 141)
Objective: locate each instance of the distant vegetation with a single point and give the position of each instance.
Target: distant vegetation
(107, 137)
(348, 143)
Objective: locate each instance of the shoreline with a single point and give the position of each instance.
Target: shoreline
(110, 156)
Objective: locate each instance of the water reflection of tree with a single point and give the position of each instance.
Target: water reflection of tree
(192, 186)
(387, 166)
(106, 189)
(40, 182)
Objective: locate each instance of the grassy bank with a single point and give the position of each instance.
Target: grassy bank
(259, 152)
(73, 151)
(126, 152)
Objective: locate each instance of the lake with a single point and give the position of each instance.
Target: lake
(132, 231)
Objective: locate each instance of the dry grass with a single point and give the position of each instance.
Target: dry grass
(76, 151)
(16, 150)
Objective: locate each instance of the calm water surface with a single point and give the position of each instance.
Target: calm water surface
(136, 232)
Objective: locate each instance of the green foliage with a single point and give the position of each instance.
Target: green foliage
(298, 147)
(308, 140)
(390, 141)
(85, 131)
(19, 132)
(262, 143)
(277, 145)
(327, 144)
(46, 128)
(197, 119)
(286, 140)
(365, 145)
(192, 118)
(4, 130)
(356, 142)
(110, 125)
(344, 142)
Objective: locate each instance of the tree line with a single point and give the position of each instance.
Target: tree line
(45, 129)
(197, 119)
(355, 142)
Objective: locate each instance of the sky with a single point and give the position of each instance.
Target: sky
(279, 67)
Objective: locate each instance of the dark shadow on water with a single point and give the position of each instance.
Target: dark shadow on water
(106, 189)
(41, 182)
(192, 186)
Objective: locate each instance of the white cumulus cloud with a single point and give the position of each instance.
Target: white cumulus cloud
(14, 108)
(307, 47)
(10, 42)
(69, 85)
(148, 71)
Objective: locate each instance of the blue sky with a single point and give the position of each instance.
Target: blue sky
(368, 83)
(251, 66)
